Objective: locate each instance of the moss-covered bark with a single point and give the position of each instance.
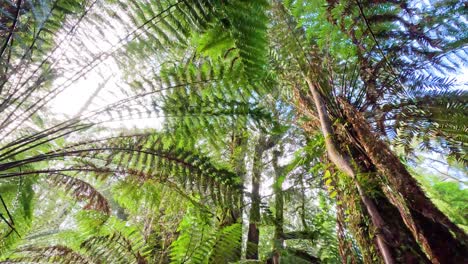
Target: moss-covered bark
(428, 225)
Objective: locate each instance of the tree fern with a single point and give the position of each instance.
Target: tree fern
(216, 73)
(198, 242)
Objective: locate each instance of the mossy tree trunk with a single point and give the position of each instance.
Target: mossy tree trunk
(253, 235)
(428, 225)
(388, 230)
(278, 238)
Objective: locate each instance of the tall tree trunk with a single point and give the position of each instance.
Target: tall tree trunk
(278, 238)
(343, 163)
(396, 235)
(345, 245)
(355, 218)
(393, 239)
(429, 226)
(253, 235)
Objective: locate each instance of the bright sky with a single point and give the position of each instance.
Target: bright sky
(101, 86)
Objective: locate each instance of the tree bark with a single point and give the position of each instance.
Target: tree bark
(347, 254)
(343, 163)
(278, 238)
(253, 235)
(394, 233)
(429, 226)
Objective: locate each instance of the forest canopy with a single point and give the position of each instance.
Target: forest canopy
(233, 131)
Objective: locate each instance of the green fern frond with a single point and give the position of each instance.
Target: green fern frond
(225, 247)
(113, 248)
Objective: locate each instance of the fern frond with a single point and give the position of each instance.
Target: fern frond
(81, 190)
(113, 248)
(50, 254)
(226, 242)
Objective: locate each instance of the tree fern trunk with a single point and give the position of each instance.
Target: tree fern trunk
(356, 222)
(393, 239)
(345, 246)
(343, 163)
(369, 233)
(429, 226)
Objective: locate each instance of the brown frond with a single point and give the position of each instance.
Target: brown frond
(82, 191)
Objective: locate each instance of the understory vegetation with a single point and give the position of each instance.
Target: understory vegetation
(233, 131)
